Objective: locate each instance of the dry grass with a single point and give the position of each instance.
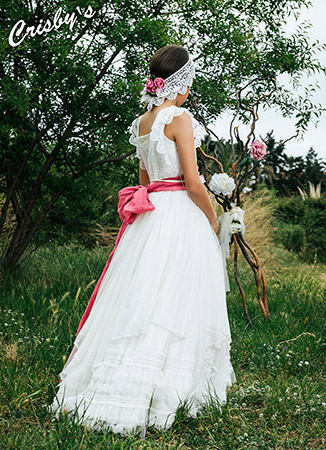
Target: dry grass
(10, 351)
(274, 258)
(102, 235)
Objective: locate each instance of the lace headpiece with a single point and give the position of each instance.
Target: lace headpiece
(157, 90)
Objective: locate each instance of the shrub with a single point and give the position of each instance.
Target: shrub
(308, 215)
(291, 236)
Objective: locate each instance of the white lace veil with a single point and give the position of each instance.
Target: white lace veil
(175, 84)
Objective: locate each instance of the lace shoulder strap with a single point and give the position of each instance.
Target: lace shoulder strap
(164, 117)
(133, 131)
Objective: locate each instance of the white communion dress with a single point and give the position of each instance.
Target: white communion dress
(158, 332)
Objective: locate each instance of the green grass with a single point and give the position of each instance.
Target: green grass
(278, 402)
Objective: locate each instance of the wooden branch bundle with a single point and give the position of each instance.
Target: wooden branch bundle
(229, 202)
(259, 275)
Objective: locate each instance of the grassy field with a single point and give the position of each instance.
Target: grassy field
(278, 402)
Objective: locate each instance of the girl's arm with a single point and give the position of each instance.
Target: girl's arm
(182, 131)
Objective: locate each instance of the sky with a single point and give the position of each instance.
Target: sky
(284, 127)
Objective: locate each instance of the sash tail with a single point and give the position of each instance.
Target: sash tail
(95, 291)
(94, 294)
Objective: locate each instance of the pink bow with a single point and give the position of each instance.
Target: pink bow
(133, 200)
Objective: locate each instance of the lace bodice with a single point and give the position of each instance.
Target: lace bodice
(157, 153)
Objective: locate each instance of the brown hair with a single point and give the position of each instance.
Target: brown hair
(168, 60)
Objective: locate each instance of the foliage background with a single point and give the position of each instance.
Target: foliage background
(67, 98)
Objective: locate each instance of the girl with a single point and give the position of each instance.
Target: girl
(155, 333)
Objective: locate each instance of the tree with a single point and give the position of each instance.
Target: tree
(69, 95)
(315, 169)
(285, 172)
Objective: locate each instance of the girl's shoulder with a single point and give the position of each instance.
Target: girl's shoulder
(166, 115)
(172, 111)
(198, 129)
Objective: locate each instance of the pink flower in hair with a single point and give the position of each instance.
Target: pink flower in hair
(150, 87)
(159, 82)
(258, 149)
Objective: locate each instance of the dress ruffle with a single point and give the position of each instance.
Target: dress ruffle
(133, 131)
(164, 117)
(144, 370)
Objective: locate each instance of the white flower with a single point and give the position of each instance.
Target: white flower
(246, 189)
(221, 183)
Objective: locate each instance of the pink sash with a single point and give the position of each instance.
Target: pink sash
(133, 200)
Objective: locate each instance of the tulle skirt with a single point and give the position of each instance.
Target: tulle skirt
(158, 333)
